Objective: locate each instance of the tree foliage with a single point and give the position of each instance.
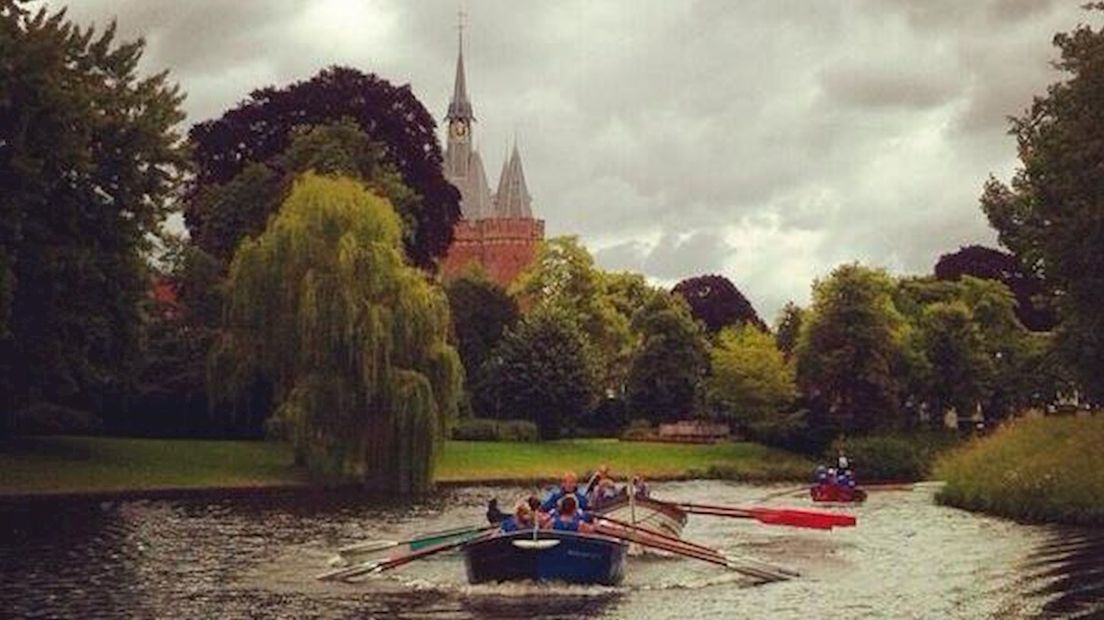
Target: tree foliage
(1032, 299)
(715, 301)
(670, 362)
(88, 164)
(1052, 215)
(220, 215)
(541, 371)
(352, 339)
(481, 312)
(260, 129)
(851, 352)
(563, 276)
(751, 383)
(788, 328)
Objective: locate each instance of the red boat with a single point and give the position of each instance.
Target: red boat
(830, 492)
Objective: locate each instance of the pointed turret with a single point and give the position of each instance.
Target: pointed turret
(460, 107)
(512, 198)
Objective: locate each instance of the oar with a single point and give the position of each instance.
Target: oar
(379, 566)
(686, 543)
(710, 557)
(782, 493)
(775, 516)
(373, 546)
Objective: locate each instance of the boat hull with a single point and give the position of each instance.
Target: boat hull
(647, 513)
(835, 493)
(549, 556)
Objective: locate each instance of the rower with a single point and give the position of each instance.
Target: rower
(568, 518)
(842, 465)
(522, 519)
(569, 487)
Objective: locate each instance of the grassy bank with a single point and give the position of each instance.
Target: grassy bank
(1043, 470)
(103, 464)
(471, 460)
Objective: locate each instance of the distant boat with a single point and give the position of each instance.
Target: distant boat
(546, 555)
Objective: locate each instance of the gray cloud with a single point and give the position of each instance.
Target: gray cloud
(767, 140)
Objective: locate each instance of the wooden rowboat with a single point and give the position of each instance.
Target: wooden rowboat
(646, 513)
(546, 555)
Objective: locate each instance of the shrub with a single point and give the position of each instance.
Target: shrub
(638, 429)
(51, 419)
(483, 429)
(893, 457)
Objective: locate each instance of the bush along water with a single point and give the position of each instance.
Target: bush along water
(898, 457)
(484, 429)
(1037, 470)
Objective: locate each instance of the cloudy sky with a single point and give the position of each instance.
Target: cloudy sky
(766, 140)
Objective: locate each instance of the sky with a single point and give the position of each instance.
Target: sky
(765, 140)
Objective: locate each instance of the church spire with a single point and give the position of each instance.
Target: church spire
(512, 198)
(460, 107)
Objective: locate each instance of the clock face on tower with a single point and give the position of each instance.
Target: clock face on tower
(458, 129)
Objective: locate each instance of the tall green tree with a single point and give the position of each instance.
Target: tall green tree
(1052, 215)
(961, 370)
(481, 313)
(353, 340)
(670, 362)
(89, 162)
(751, 384)
(541, 371)
(851, 353)
(220, 215)
(788, 328)
(563, 276)
(261, 128)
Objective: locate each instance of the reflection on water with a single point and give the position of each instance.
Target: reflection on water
(250, 558)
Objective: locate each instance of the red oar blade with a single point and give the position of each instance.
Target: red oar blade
(803, 518)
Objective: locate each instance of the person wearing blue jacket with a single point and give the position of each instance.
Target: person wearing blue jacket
(569, 487)
(522, 519)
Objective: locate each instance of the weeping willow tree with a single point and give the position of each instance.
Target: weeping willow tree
(352, 339)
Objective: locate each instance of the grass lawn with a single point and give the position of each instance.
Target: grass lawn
(83, 464)
(74, 464)
(474, 460)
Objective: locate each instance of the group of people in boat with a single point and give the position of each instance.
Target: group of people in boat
(566, 507)
(840, 475)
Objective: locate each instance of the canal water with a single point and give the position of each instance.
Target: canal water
(907, 558)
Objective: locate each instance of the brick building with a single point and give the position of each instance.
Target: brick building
(496, 231)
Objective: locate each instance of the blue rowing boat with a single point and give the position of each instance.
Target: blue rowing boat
(546, 555)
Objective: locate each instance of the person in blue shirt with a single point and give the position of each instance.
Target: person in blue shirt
(569, 487)
(522, 519)
(568, 518)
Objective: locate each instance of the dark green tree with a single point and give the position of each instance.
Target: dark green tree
(260, 130)
(88, 164)
(670, 362)
(353, 340)
(961, 370)
(788, 329)
(541, 371)
(851, 353)
(220, 215)
(481, 312)
(1052, 215)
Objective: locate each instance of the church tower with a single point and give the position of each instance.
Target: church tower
(496, 233)
(463, 165)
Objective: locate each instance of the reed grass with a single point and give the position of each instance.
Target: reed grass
(1036, 470)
